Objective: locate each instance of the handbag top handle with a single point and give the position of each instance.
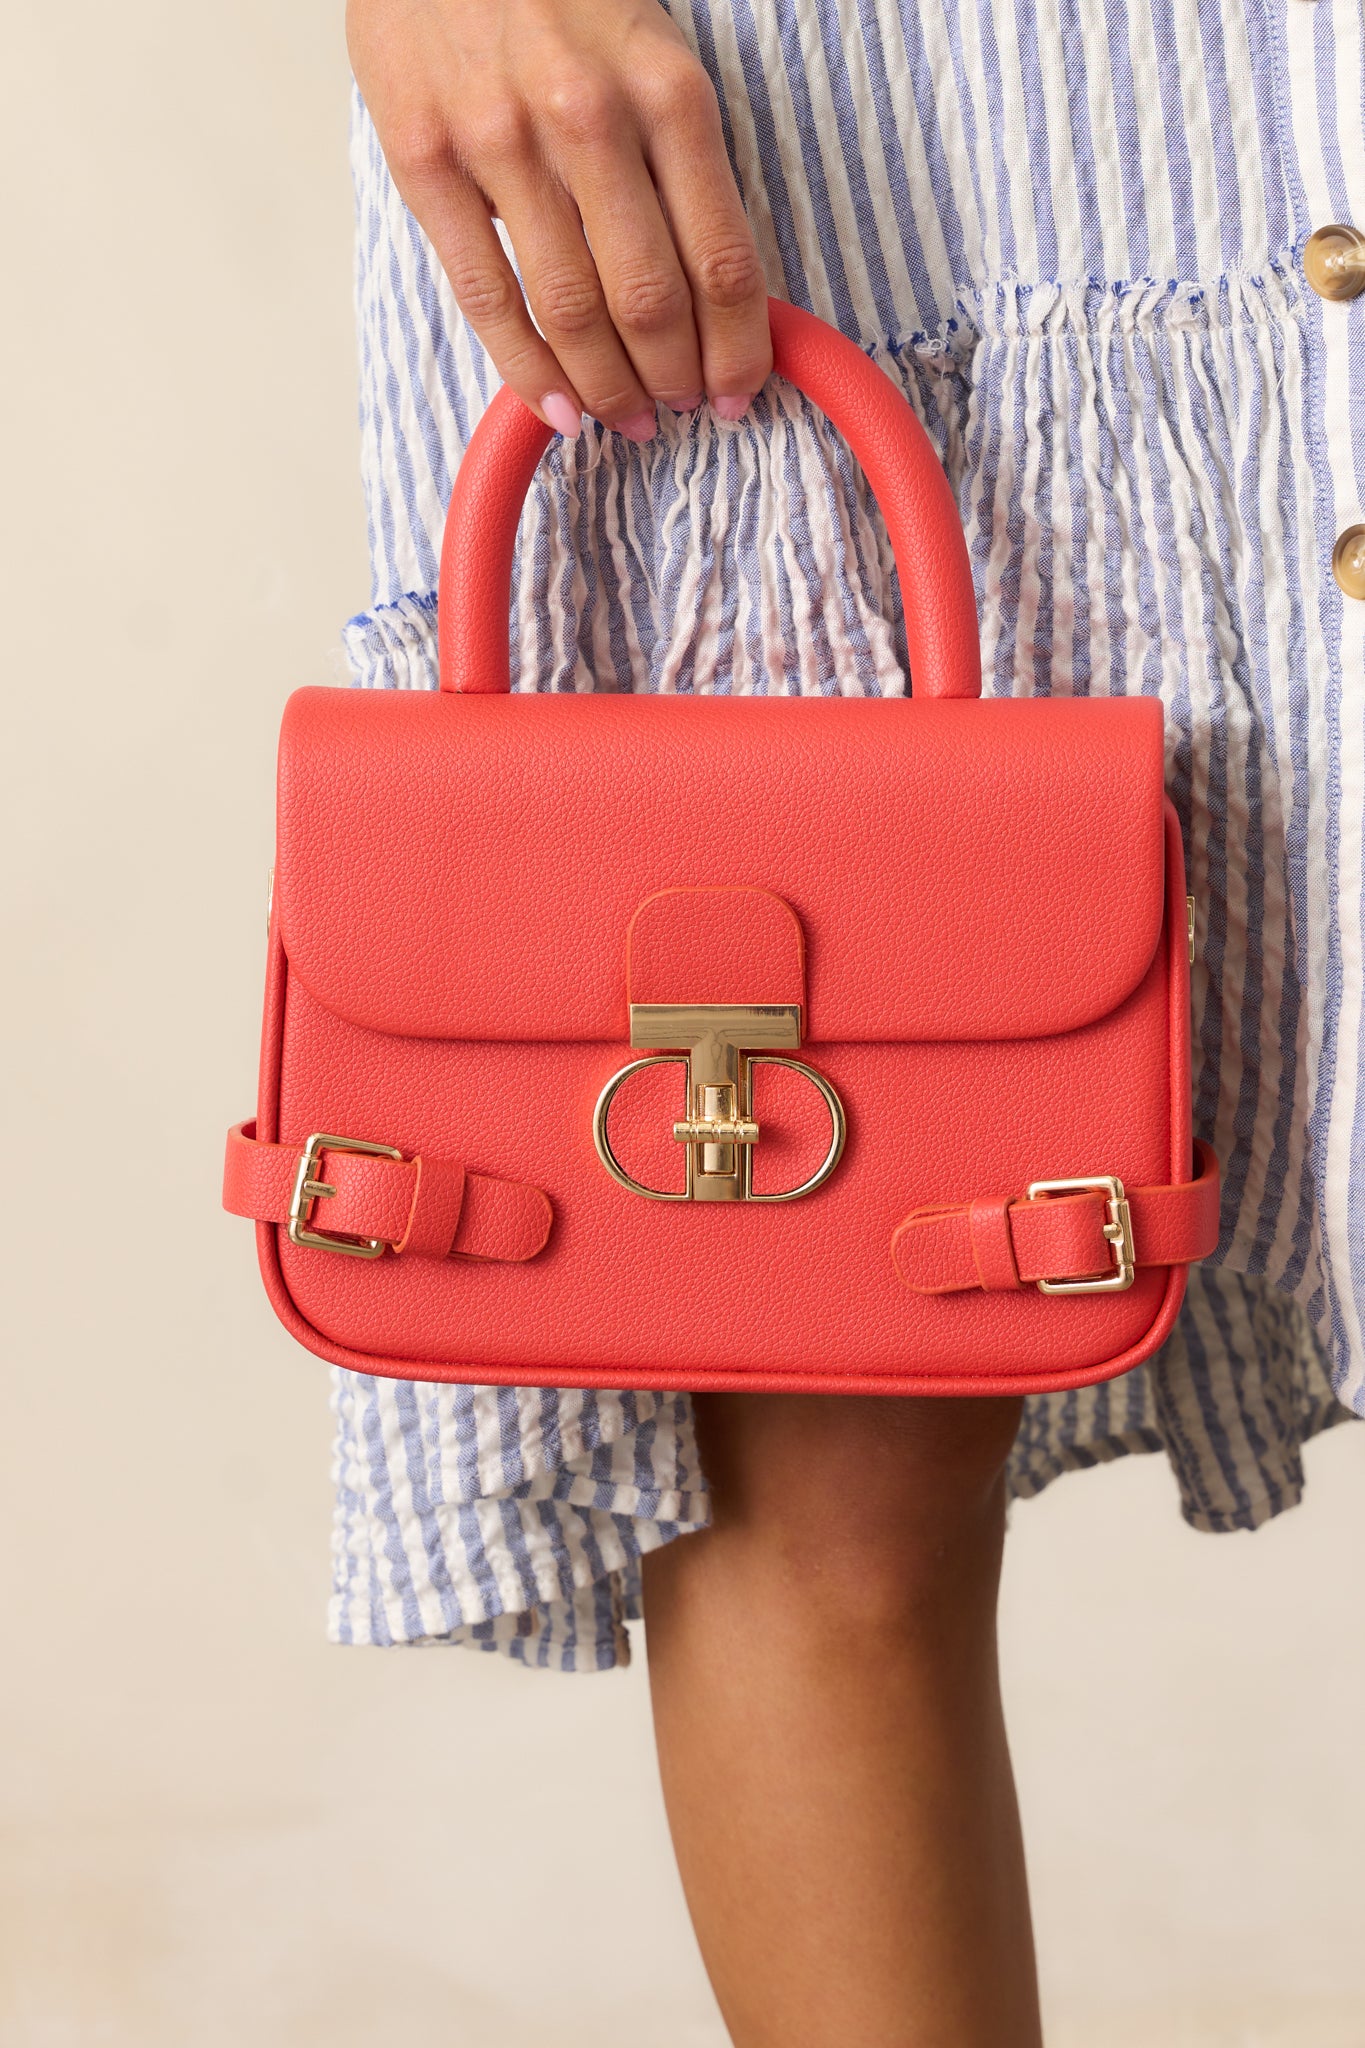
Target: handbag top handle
(896, 456)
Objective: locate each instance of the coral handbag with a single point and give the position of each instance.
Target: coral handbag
(832, 1044)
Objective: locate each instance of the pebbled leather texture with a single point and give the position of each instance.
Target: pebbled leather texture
(988, 1240)
(625, 1291)
(981, 904)
(718, 945)
(425, 1206)
(911, 489)
(469, 867)
(1002, 1241)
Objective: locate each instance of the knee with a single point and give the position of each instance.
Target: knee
(864, 1516)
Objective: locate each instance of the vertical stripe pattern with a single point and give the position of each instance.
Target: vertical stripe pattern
(1071, 232)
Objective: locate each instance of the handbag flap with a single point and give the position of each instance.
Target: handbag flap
(469, 866)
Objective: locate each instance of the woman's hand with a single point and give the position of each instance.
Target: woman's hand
(589, 128)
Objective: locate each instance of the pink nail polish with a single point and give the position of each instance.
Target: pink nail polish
(732, 408)
(641, 426)
(562, 414)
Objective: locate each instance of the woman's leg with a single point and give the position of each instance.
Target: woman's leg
(827, 1705)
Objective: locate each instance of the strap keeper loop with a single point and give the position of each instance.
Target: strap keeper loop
(437, 1199)
(988, 1220)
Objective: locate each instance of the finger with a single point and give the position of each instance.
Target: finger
(714, 242)
(456, 219)
(566, 295)
(596, 149)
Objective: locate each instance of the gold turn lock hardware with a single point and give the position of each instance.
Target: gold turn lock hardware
(720, 1044)
(717, 1127)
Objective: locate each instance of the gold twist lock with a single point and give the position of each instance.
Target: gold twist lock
(721, 1044)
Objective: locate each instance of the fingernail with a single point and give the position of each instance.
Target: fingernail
(686, 404)
(732, 408)
(562, 414)
(641, 426)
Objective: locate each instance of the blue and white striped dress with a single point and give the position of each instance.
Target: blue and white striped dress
(1071, 232)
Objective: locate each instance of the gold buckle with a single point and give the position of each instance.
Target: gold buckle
(309, 1189)
(719, 1044)
(1118, 1229)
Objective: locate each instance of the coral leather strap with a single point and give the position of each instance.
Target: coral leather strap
(906, 477)
(996, 1242)
(428, 1206)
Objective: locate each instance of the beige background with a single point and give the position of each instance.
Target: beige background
(216, 1829)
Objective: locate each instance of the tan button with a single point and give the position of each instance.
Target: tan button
(1334, 262)
(1348, 561)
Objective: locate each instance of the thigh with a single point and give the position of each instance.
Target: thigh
(790, 1454)
(850, 1513)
